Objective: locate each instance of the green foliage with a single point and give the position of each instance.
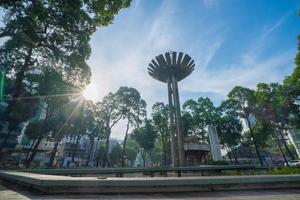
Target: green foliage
(33, 129)
(42, 36)
(131, 105)
(132, 108)
(116, 155)
(54, 33)
(284, 170)
(261, 133)
(197, 115)
(101, 152)
(229, 125)
(145, 136)
(160, 118)
(245, 100)
(229, 131)
(55, 103)
(131, 154)
(107, 113)
(23, 110)
(132, 144)
(292, 89)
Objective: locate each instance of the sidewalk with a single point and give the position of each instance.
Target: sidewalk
(6, 193)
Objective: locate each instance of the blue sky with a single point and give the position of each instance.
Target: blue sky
(233, 42)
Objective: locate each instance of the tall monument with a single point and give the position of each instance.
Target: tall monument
(214, 143)
(171, 68)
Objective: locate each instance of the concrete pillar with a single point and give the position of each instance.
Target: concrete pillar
(214, 143)
(180, 142)
(172, 125)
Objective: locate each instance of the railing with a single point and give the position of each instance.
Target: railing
(119, 172)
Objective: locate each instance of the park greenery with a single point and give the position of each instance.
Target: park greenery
(43, 62)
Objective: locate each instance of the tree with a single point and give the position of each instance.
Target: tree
(33, 131)
(160, 118)
(107, 114)
(95, 128)
(25, 108)
(116, 155)
(131, 155)
(246, 106)
(229, 126)
(132, 149)
(100, 155)
(132, 108)
(59, 129)
(53, 35)
(197, 115)
(273, 99)
(52, 90)
(145, 136)
(291, 86)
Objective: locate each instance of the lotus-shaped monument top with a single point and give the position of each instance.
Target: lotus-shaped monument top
(171, 63)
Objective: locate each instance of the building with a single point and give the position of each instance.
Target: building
(294, 136)
(12, 138)
(195, 153)
(67, 148)
(9, 139)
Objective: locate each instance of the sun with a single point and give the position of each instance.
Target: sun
(90, 92)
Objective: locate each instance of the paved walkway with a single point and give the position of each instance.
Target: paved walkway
(228, 195)
(6, 193)
(18, 193)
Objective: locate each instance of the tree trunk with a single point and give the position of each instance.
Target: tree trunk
(90, 151)
(143, 154)
(286, 146)
(97, 162)
(229, 155)
(163, 145)
(124, 144)
(254, 142)
(75, 148)
(41, 136)
(17, 86)
(30, 149)
(270, 155)
(53, 153)
(97, 153)
(235, 157)
(34, 150)
(78, 134)
(280, 149)
(106, 160)
(164, 152)
(16, 93)
(4, 142)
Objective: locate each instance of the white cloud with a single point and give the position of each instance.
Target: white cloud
(210, 3)
(122, 51)
(246, 72)
(276, 25)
